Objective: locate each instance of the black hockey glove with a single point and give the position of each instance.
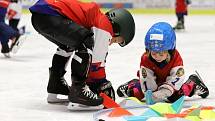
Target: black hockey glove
(103, 86)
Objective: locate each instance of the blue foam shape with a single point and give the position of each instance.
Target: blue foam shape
(135, 118)
(178, 104)
(150, 113)
(148, 95)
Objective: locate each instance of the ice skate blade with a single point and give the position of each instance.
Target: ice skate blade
(53, 99)
(18, 44)
(7, 55)
(179, 30)
(79, 107)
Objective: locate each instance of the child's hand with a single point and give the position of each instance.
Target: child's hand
(161, 95)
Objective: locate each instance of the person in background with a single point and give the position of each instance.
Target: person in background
(181, 8)
(161, 70)
(14, 13)
(6, 32)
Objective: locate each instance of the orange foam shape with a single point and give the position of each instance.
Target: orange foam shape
(118, 112)
(175, 115)
(108, 102)
(207, 108)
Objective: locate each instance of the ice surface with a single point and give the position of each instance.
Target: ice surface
(23, 78)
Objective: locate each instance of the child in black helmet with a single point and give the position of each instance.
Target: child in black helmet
(83, 29)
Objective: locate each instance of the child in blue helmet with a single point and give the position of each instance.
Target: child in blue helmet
(161, 70)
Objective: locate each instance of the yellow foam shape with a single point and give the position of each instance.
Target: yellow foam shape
(135, 99)
(207, 114)
(163, 108)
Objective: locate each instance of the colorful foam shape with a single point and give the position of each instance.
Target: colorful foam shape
(178, 104)
(193, 118)
(118, 112)
(163, 108)
(108, 102)
(148, 97)
(150, 113)
(135, 100)
(177, 119)
(207, 108)
(207, 114)
(195, 112)
(187, 111)
(131, 101)
(135, 118)
(156, 119)
(175, 115)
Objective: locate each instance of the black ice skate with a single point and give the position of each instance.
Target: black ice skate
(201, 89)
(57, 85)
(179, 26)
(17, 43)
(5, 50)
(82, 98)
(14, 42)
(123, 90)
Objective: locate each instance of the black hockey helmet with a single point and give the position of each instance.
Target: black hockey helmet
(122, 23)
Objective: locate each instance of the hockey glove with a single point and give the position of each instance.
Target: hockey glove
(103, 86)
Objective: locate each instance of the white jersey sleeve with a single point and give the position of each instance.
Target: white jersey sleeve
(16, 7)
(101, 43)
(147, 79)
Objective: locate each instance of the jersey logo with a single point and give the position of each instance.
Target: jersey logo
(180, 72)
(143, 72)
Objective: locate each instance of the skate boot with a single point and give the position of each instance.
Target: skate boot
(5, 50)
(57, 85)
(179, 26)
(200, 88)
(14, 42)
(122, 90)
(102, 86)
(131, 89)
(82, 98)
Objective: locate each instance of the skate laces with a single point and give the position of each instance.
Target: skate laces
(89, 93)
(200, 90)
(123, 88)
(64, 82)
(200, 87)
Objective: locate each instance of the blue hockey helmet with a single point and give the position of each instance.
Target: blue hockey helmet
(160, 37)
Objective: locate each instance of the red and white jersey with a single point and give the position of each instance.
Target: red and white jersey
(152, 77)
(14, 10)
(89, 16)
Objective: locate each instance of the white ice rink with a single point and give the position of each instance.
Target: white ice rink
(24, 77)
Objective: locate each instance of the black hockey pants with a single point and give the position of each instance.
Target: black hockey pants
(62, 31)
(69, 36)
